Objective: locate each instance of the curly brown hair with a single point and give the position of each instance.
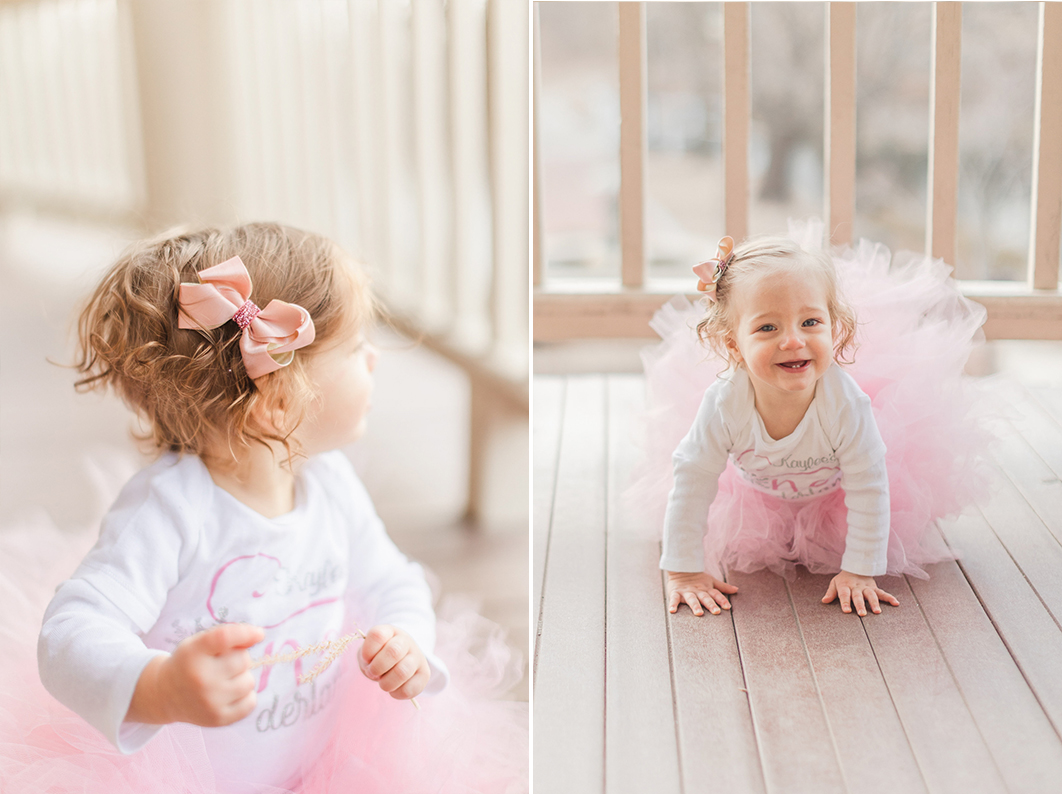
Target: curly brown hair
(751, 258)
(191, 385)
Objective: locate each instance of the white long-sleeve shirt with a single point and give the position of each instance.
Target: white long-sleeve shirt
(836, 444)
(177, 555)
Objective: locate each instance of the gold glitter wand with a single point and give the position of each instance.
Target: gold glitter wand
(332, 649)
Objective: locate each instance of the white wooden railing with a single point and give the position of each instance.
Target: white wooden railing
(397, 127)
(622, 308)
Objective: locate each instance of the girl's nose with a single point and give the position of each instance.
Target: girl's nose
(793, 340)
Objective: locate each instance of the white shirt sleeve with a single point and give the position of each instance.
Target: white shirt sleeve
(861, 454)
(90, 658)
(698, 461)
(866, 494)
(90, 653)
(853, 431)
(383, 577)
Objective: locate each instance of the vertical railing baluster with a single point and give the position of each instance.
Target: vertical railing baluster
(316, 159)
(736, 107)
(840, 122)
(333, 18)
(258, 148)
(57, 153)
(12, 122)
(309, 154)
(74, 99)
(537, 251)
(90, 30)
(101, 42)
(283, 103)
(342, 209)
(472, 221)
(35, 171)
(632, 88)
(272, 162)
(1047, 153)
(190, 171)
(509, 149)
(347, 212)
(240, 60)
(400, 194)
(365, 118)
(126, 144)
(431, 123)
(943, 176)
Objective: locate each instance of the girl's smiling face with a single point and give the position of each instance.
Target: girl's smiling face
(782, 334)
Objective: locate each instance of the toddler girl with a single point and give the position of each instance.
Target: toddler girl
(244, 351)
(795, 456)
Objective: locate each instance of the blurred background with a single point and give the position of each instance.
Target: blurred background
(578, 115)
(396, 127)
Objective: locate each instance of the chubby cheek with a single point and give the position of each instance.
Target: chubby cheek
(343, 412)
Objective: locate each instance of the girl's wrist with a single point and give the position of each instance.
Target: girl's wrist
(151, 704)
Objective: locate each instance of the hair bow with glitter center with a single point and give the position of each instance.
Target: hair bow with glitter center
(708, 273)
(270, 335)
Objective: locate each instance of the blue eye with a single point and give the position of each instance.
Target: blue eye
(765, 328)
(812, 323)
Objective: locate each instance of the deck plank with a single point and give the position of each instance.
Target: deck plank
(1033, 478)
(1041, 427)
(1028, 541)
(1027, 751)
(548, 413)
(854, 694)
(569, 674)
(1049, 398)
(641, 752)
(946, 741)
(796, 747)
(717, 739)
(1031, 635)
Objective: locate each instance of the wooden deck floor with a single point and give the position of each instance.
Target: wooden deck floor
(958, 690)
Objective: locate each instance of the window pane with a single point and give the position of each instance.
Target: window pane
(578, 121)
(785, 145)
(684, 172)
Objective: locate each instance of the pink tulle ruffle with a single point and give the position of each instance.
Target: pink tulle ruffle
(464, 740)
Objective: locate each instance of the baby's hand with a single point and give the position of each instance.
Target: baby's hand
(853, 587)
(205, 681)
(696, 589)
(390, 657)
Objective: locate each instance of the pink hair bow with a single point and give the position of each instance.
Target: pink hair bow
(270, 335)
(709, 273)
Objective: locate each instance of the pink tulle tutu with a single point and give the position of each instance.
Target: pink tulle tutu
(915, 333)
(463, 740)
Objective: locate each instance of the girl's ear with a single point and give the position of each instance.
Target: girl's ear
(731, 346)
(267, 413)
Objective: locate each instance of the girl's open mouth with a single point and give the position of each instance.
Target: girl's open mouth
(796, 366)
